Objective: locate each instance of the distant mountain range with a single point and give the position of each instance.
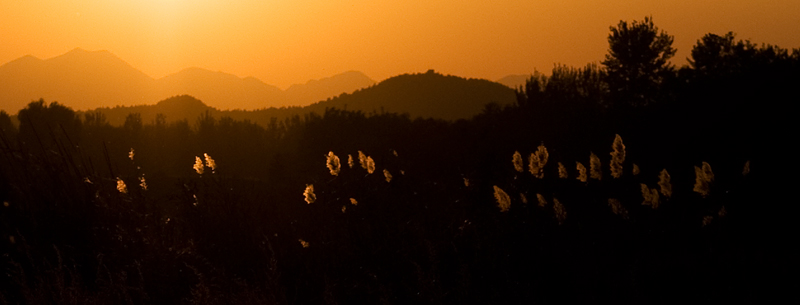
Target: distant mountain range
(91, 81)
(86, 80)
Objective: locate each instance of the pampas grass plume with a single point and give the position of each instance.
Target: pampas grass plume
(617, 208)
(210, 162)
(541, 200)
(594, 167)
(617, 157)
(537, 161)
(559, 210)
(562, 171)
(517, 160)
(503, 200)
(332, 161)
(121, 187)
(704, 176)
(581, 172)
(664, 183)
(309, 194)
(198, 165)
(387, 175)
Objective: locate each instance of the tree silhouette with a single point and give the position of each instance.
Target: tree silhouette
(48, 124)
(637, 61)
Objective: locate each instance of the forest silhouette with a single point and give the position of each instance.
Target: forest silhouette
(632, 181)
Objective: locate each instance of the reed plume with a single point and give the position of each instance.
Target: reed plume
(537, 161)
(387, 175)
(517, 161)
(333, 163)
(635, 170)
(581, 172)
(559, 210)
(664, 183)
(370, 165)
(617, 157)
(142, 183)
(309, 194)
(562, 171)
(210, 163)
(121, 187)
(703, 179)
(617, 208)
(650, 196)
(542, 201)
(303, 243)
(362, 159)
(746, 169)
(353, 201)
(594, 167)
(198, 165)
(131, 154)
(503, 200)
(350, 161)
(523, 198)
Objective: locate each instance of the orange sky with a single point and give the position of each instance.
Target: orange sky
(292, 41)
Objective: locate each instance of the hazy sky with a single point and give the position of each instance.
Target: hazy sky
(291, 41)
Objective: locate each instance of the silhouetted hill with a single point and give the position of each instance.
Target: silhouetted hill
(84, 80)
(424, 95)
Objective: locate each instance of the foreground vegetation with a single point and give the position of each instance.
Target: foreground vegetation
(675, 198)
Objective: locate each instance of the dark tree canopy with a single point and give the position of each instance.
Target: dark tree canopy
(637, 61)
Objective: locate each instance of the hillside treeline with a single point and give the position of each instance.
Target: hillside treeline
(218, 210)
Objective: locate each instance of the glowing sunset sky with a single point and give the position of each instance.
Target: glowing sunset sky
(288, 42)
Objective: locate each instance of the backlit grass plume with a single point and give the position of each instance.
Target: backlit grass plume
(370, 165)
(309, 194)
(703, 179)
(303, 243)
(517, 160)
(121, 187)
(387, 175)
(664, 183)
(353, 201)
(617, 208)
(333, 163)
(635, 170)
(617, 157)
(650, 196)
(537, 161)
(559, 210)
(581, 172)
(142, 183)
(362, 159)
(595, 171)
(131, 154)
(210, 162)
(542, 201)
(562, 171)
(746, 169)
(198, 165)
(350, 161)
(503, 200)
(523, 198)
